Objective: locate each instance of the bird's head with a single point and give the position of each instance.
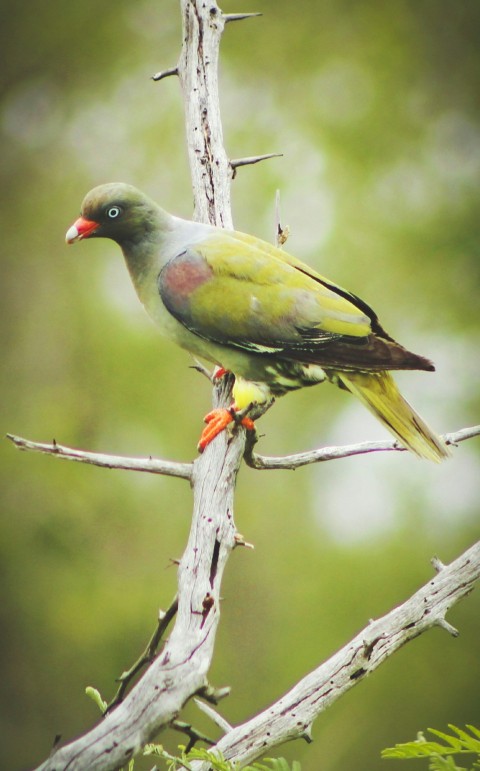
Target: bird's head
(117, 211)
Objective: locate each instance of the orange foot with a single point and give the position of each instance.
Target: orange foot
(217, 421)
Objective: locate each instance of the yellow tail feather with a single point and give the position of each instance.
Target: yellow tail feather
(379, 392)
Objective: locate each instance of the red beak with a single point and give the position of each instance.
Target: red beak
(82, 228)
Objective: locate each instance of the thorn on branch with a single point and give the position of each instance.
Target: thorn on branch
(437, 563)
(214, 695)
(165, 74)
(443, 624)
(239, 16)
(56, 744)
(307, 734)
(249, 160)
(199, 367)
(240, 541)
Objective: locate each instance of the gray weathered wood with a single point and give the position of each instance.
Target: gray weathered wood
(180, 671)
(181, 668)
(259, 462)
(291, 717)
(203, 24)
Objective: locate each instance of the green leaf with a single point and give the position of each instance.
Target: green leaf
(440, 754)
(95, 696)
(444, 764)
(154, 749)
(449, 740)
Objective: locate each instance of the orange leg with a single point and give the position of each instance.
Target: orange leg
(220, 372)
(217, 421)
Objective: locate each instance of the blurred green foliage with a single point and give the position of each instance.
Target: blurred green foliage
(375, 107)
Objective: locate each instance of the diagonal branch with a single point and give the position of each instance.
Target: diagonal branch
(291, 717)
(148, 655)
(180, 670)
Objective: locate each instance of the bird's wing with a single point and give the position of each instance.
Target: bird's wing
(239, 294)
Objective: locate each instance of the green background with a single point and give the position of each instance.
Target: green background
(375, 106)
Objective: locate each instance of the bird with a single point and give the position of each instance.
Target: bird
(252, 309)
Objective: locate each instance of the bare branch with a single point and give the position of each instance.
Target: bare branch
(194, 735)
(258, 462)
(198, 73)
(180, 670)
(291, 717)
(164, 619)
(292, 462)
(219, 720)
(150, 465)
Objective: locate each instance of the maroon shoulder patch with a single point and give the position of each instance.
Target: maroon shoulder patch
(179, 278)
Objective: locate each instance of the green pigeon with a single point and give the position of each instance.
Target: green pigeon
(252, 309)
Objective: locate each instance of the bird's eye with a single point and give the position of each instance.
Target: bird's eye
(113, 212)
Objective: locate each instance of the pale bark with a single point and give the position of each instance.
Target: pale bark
(180, 670)
(260, 462)
(291, 717)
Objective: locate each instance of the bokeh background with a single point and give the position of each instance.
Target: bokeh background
(375, 106)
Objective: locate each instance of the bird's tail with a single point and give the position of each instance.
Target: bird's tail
(379, 392)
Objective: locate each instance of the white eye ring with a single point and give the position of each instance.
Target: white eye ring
(113, 212)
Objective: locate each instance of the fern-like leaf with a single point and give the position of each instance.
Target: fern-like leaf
(460, 742)
(438, 763)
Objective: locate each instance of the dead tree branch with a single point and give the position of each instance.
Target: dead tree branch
(148, 655)
(291, 717)
(151, 465)
(259, 462)
(180, 670)
(292, 462)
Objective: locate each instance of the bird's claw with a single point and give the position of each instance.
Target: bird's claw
(217, 421)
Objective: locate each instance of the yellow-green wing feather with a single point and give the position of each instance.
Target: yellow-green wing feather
(269, 291)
